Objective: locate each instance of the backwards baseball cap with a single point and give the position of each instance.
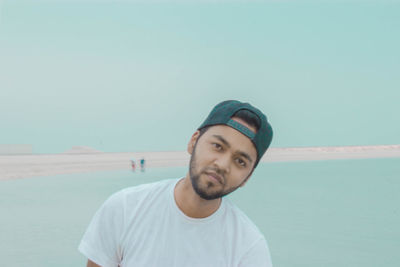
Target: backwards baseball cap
(223, 112)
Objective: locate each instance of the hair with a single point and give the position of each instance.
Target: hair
(249, 117)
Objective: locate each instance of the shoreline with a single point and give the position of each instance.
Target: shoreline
(31, 165)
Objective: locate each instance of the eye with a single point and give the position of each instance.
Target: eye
(217, 146)
(241, 162)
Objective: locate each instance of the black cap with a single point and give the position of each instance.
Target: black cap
(223, 113)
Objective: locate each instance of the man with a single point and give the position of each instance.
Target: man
(142, 164)
(187, 222)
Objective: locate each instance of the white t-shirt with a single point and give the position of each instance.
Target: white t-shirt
(143, 226)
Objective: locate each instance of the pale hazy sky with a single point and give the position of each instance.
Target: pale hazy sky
(131, 76)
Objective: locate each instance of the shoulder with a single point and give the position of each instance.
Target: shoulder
(251, 242)
(145, 189)
(241, 222)
(133, 195)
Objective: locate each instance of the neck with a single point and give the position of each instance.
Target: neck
(190, 203)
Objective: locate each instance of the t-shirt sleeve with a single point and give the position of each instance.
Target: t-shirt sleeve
(258, 255)
(101, 242)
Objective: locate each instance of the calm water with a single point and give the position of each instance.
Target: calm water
(333, 213)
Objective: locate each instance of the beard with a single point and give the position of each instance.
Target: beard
(209, 190)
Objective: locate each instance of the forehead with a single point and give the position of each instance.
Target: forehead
(237, 141)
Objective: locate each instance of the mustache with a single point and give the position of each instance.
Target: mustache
(216, 170)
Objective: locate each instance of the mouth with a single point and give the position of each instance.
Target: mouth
(216, 177)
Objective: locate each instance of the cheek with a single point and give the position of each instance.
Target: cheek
(200, 159)
(243, 174)
(205, 155)
(238, 176)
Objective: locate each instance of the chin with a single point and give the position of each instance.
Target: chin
(206, 190)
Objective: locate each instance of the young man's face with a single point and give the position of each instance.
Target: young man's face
(222, 160)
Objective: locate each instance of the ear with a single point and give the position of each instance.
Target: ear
(192, 142)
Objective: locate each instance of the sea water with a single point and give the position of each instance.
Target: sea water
(313, 214)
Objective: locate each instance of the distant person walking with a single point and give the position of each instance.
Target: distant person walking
(133, 164)
(142, 164)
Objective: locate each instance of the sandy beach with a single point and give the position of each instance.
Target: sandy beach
(82, 159)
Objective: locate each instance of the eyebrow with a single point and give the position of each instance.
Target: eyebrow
(241, 153)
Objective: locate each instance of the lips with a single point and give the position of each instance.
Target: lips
(215, 176)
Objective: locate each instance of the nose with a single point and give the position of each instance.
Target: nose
(223, 162)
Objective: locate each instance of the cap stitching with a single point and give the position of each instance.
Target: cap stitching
(241, 128)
